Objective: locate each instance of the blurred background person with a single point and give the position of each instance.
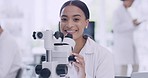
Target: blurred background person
(10, 58)
(124, 50)
(139, 13)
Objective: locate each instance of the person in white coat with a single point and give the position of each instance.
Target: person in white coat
(139, 13)
(125, 55)
(10, 59)
(92, 60)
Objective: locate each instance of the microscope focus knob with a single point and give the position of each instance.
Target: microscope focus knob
(40, 35)
(45, 73)
(61, 70)
(71, 58)
(38, 69)
(34, 37)
(43, 58)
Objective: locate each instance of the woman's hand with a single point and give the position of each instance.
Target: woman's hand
(80, 65)
(136, 23)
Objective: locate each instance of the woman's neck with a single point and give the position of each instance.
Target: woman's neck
(79, 45)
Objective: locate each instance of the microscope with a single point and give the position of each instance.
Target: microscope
(58, 54)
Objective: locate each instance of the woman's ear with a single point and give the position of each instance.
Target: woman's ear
(87, 22)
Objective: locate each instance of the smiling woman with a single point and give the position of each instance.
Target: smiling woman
(92, 60)
(73, 21)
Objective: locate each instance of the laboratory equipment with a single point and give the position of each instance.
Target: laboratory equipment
(58, 53)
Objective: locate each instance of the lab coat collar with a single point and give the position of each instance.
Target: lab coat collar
(88, 47)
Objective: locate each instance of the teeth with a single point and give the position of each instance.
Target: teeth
(70, 31)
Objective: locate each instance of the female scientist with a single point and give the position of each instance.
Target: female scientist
(92, 60)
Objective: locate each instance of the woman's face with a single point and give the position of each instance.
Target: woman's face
(73, 21)
(128, 3)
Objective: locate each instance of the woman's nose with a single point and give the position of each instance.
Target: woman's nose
(70, 24)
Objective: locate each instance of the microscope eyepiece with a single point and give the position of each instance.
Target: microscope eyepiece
(59, 34)
(69, 35)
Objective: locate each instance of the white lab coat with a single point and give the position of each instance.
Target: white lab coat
(10, 60)
(123, 37)
(123, 48)
(139, 11)
(98, 61)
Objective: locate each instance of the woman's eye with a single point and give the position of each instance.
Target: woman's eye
(76, 19)
(63, 19)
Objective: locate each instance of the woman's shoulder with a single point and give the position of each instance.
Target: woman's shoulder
(97, 48)
(94, 44)
(98, 52)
